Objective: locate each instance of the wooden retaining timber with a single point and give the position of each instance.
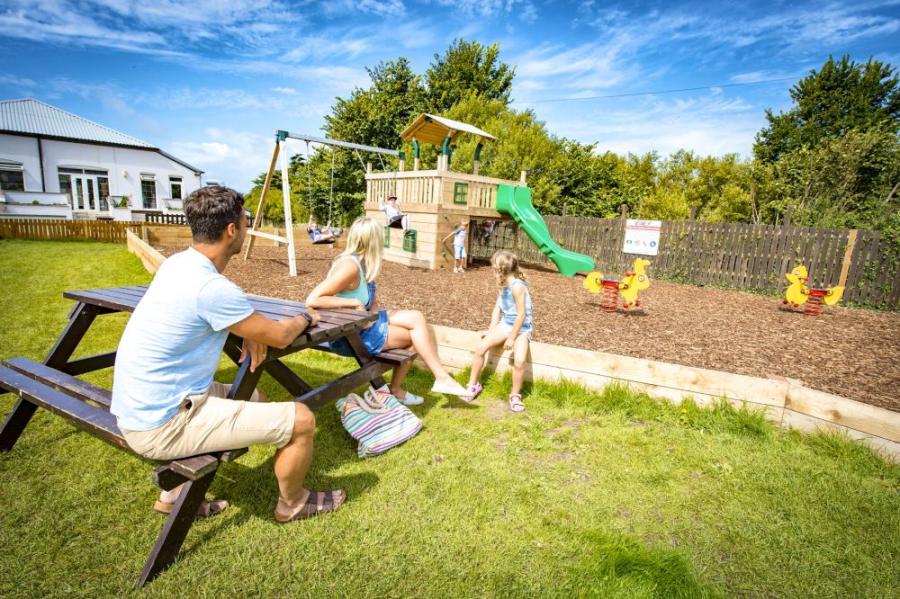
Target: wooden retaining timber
(785, 401)
(150, 257)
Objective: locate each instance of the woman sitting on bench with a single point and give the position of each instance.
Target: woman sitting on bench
(317, 235)
(351, 284)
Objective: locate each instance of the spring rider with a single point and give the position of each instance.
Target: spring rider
(610, 288)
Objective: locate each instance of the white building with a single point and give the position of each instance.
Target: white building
(52, 161)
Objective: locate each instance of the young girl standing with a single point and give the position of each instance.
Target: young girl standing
(351, 284)
(510, 325)
(459, 246)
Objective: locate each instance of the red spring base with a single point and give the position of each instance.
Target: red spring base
(609, 300)
(813, 305)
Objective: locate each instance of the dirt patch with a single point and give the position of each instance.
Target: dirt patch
(850, 352)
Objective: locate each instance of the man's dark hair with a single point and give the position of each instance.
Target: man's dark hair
(210, 209)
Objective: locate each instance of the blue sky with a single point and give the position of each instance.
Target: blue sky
(210, 81)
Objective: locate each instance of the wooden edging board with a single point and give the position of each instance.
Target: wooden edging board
(149, 256)
(785, 401)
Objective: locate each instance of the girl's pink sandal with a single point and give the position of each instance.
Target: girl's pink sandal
(474, 391)
(515, 403)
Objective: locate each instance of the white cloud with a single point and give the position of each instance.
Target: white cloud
(233, 156)
(524, 9)
(17, 82)
(287, 91)
(710, 124)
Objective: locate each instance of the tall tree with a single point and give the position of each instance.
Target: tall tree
(841, 96)
(376, 116)
(467, 67)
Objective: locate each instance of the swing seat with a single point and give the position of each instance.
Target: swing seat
(314, 241)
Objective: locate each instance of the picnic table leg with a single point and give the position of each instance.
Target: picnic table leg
(286, 377)
(80, 319)
(363, 357)
(177, 525)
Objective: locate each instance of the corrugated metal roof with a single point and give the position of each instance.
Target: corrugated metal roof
(36, 118)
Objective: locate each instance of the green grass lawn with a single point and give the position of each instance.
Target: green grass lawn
(587, 494)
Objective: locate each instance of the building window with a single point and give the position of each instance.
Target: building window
(65, 186)
(175, 185)
(148, 191)
(12, 180)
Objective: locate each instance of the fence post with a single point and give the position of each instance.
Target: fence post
(848, 256)
(787, 216)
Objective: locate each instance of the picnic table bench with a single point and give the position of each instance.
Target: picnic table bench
(53, 385)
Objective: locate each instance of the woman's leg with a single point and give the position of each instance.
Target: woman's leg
(520, 353)
(408, 327)
(496, 336)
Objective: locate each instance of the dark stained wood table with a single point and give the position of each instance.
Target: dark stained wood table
(57, 389)
(334, 324)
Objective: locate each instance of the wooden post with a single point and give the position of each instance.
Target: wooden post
(257, 218)
(787, 216)
(288, 219)
(522, 177)
(848, 256)
(693, 213)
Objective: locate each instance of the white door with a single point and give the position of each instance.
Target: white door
(90, 193)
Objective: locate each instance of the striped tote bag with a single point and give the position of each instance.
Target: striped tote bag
(377, 420)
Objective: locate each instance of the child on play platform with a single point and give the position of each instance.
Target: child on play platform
(510, 326)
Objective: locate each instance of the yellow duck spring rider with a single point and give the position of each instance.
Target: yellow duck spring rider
(634, 281)
(798, 294)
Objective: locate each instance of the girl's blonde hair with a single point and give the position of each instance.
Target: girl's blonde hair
(506, 264)
(365, 239)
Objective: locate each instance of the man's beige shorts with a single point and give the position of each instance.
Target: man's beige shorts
(212, 422)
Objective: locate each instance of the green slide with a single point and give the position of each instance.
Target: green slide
(516, 202)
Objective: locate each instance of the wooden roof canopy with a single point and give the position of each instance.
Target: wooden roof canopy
(433, 129)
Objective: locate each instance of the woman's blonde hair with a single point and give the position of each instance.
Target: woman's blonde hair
(365, 239)
(506, 263)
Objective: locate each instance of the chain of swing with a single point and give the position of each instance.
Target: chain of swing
(309, 185)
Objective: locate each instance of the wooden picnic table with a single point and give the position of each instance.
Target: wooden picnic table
(53, 386)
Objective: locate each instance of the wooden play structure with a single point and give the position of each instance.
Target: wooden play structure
(611, 288)
(433, 201)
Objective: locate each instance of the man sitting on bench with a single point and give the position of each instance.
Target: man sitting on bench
(164, 397)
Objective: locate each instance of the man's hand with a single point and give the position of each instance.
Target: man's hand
(314, 315)
(257, 352)
(508, 344)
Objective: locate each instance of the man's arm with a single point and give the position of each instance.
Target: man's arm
(274, 333)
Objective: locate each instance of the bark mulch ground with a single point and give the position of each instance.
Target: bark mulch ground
(850, 352)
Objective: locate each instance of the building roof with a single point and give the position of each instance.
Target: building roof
(432, 129)
(33, 117)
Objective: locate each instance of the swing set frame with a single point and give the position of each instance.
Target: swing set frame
(281, 138)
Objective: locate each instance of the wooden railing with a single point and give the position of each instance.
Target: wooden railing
(432, 188)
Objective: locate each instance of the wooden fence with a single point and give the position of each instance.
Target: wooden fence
(741, 256)
(71, 230)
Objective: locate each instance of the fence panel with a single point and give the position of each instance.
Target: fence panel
(737, 255)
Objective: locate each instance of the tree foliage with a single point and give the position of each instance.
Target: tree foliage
(833, 158)
(464, 68)
(829, 103)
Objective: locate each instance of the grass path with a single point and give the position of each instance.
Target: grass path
(588, 494)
